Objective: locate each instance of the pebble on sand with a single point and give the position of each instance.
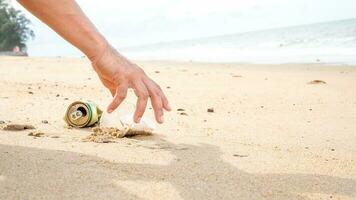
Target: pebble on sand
(36, 134)
(314, 82)
(211, 110)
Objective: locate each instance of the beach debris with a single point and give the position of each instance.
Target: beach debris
(183, 113)
(82, 114)
(18, 127)
(36, 134)
(240, 156)
(58, 95)
(30, 92)
(44, 122)
(180, 109)
(210, 110)
(314, 82)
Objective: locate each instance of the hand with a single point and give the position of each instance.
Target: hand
(118, 74)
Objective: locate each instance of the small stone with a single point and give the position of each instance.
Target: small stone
(55, 136)
(36, 134)
(157, 72)
(44, 122)
(332, 149)
(211, 110)
(58, 95)
(180, 109)
(183, 113)
(317, 82)
(240, 156)
(30, 92)
(168, 87)
(66, 98)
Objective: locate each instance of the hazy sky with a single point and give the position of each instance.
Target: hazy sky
(136, 22)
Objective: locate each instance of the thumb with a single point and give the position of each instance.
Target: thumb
(120, 95)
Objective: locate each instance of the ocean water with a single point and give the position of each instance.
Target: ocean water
(330, 42)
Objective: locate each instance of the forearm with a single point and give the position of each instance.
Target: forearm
(67, 19)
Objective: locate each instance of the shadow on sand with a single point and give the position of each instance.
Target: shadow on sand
(198, 172)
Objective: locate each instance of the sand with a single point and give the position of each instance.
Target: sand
(237, 131)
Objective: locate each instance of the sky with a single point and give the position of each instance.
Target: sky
(138, 22)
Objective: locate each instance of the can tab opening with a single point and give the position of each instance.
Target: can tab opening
(79, 113)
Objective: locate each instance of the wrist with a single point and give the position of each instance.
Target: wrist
(99, 47)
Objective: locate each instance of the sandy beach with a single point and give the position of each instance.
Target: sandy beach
(274, 133)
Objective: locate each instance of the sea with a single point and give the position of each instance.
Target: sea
(330, 42)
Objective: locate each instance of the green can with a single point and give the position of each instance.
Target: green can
(82, 114)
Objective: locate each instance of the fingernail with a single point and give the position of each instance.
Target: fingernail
(110, 110)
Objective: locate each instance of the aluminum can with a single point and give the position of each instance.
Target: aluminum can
(82, 114)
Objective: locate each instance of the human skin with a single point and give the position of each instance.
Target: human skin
(117, 73)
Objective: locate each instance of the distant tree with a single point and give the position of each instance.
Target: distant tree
(14, 28)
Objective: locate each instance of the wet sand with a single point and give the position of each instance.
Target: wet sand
(237, 131)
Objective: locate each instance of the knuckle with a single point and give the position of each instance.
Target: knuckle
(121, 96)
(143, 95)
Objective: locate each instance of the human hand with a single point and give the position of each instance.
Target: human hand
(118, 74)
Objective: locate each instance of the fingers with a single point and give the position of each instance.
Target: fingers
(142, 98)
(165, 102)
(158, 100)
(120, 95)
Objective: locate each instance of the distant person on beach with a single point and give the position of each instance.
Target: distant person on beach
(115, 71)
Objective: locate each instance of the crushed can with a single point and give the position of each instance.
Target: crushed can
(82, 114)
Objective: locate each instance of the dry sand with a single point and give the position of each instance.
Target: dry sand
(271, 135)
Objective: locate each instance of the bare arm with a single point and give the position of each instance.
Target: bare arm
(115, 71)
